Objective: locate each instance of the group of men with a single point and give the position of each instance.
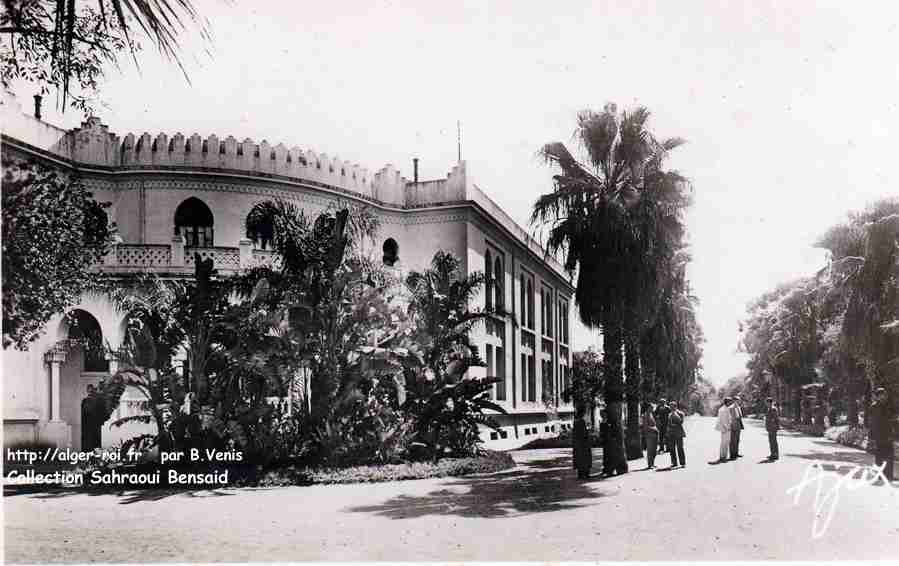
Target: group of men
(730, 423)
(662, 427)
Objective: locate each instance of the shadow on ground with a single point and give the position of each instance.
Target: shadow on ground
(127, 496)
(538, 485)
(756, 423)
(845, 456)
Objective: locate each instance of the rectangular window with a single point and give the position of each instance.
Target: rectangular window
(501, 373)
(548, 312)
(532, 380)
(546, 367)
(488, 353)
(563, 322)
(524, 377)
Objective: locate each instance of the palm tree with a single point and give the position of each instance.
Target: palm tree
(75, 38)
(446, 404)
(592, 216)
(863, 282)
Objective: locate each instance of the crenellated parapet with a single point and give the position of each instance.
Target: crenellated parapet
(92, 144)
(229, 153)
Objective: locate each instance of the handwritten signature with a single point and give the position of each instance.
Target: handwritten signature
(826, 501)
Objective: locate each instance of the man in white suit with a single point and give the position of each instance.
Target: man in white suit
(723, 426)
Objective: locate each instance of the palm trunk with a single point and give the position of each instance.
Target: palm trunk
(647, 371)
(632, 383)
(613, 454)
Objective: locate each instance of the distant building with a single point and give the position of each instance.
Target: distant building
(174, 196)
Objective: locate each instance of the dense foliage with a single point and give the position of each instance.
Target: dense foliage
(53, 232)
(446, 404)
(312, 358)
(827, 340)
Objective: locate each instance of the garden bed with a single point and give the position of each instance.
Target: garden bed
(487, 462)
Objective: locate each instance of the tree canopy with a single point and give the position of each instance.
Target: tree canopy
(53, 233)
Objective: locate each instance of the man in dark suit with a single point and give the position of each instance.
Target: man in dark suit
(882, 432)
(676, 436)
(772, 425)
(736, 425)
(662, 412)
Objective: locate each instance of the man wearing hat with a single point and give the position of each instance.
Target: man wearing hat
(882, 432)
(772, 425)
(723, 426)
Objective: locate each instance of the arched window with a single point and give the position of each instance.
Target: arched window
(194, 221)
(260, 229)
(498, 282)
(391, 251)
(488, 274)
(84, 330)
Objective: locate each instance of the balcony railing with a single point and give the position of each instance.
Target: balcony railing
(176, 258)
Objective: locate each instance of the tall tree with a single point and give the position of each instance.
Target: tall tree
(53, 233)
(591, 214)
(863, 281)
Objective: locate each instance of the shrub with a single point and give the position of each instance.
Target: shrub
(847, 435)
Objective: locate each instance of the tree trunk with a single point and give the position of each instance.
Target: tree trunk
(613, 454)
(632, 370)
(647, 372)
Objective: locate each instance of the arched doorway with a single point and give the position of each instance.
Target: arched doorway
(85, 365)
(195, 222)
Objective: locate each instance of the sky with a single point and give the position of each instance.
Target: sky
(790, 109)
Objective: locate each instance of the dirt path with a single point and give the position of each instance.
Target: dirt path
(537, 511)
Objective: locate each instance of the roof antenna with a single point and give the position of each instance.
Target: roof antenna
(459, 139)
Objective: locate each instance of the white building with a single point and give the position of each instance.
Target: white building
(202, 188)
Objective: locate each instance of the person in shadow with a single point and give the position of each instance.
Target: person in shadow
(650, 433)
(882, 433)
(583, 452)
(662, 422)
(772, 425)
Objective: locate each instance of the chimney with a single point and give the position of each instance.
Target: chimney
(415, 169)
(37, 106)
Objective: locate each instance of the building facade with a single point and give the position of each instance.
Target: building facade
(175, 196)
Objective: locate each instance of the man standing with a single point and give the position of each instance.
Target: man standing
(676, 434)
(662, 422)
(736, 425)
(882, 433)
(723, 426)
(581, 448)
(772, 425)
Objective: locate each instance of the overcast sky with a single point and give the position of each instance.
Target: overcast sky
(789, 108)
